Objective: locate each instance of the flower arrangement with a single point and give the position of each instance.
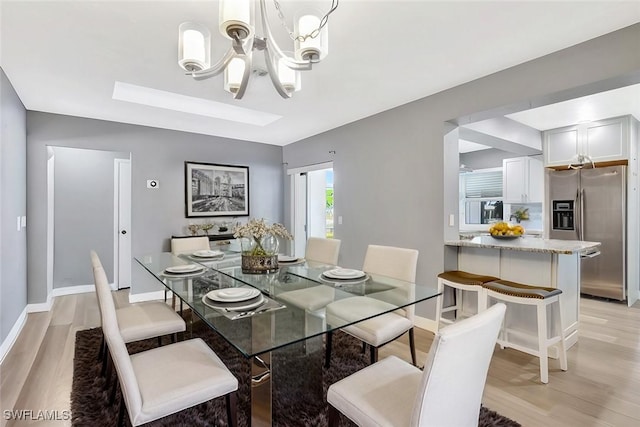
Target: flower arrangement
(193, 228)
(256, 230)
(206, 227)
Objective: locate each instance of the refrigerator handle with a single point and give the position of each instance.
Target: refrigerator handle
(582, 214)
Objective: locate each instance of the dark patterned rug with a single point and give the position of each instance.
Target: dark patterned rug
(90, 402)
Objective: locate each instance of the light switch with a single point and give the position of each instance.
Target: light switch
(339, 219)
(23, 221)
(452, 220)
(19, 224)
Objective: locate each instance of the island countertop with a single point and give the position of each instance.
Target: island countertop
(527, 244)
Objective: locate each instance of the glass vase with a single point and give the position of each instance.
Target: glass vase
(259, 256)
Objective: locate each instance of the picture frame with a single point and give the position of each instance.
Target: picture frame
(213, 190)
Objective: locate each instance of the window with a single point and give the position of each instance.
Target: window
(481, 196)
(481, 184)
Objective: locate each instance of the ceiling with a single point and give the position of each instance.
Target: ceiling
(67, 57)
(603, 105)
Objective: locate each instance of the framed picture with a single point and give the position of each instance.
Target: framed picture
(216, 190)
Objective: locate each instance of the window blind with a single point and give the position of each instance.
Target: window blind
(483, 184)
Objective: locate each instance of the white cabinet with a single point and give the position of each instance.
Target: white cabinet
(522, 180)
(601, 141)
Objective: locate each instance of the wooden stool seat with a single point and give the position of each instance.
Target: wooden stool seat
(544, 299)
(461, 281)
(520, 290)
(466, 278)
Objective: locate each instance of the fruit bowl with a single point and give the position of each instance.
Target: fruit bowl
(504, 230)
(499, 237)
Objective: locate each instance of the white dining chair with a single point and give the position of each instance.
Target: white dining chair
(140, 321)
(187, 245)
(447, 393)
(164, 380)
(323, 251)
(397, 263)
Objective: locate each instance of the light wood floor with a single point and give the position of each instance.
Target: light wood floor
(601, 387)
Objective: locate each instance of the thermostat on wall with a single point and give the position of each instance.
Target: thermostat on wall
(153, 183)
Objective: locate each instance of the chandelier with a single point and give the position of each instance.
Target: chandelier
(236, 23)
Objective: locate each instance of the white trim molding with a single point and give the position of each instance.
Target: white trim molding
(11, 338)
(146, 296)
(40, 307)
(8, 342)
(309, 168)
(71, 290)
(57, 292)
(424, 323)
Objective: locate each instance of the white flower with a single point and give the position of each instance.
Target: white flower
(258, 228)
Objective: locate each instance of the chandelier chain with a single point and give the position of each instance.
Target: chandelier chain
(313, 34)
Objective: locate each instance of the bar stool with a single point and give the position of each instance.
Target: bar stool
(544, 299)
(461, 281)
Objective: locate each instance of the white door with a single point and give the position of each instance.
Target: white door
(122, 215)
(310, 213)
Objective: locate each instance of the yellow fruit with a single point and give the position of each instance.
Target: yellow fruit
(505, 229)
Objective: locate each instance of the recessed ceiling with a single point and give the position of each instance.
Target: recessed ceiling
(65, 56)
(465, 146)
(613, 103)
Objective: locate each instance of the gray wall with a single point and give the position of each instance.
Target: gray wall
(83, 212)
(390, 185)
(13, 203)
(155, 154)
(389, 168)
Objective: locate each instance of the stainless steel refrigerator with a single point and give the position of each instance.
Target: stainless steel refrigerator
(589, 204)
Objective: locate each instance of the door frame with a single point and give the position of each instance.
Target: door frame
(117, 210)
(293, 172)
(50, 219)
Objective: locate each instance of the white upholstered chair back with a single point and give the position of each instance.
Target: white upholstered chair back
(398, 263)
(455, 372)
(189, 244)
(117, 347)
(95, 260)
(321, 250)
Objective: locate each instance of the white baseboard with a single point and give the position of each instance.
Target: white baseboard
(46, 306)
(146, 296)
(13, 334)
(57, 292)
(70, 290)
(424, 323)
(38, 308)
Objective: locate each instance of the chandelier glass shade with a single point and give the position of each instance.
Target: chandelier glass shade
(237, 24)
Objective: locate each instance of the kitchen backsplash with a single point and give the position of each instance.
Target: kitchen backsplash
(534, 211)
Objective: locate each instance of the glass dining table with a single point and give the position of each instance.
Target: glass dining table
(285, 320)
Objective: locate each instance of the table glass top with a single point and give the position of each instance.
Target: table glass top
(292, 303)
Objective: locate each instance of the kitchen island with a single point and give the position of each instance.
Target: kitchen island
(532, 261)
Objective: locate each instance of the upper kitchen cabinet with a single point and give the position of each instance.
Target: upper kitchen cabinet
(601, 141)
(522, 180)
